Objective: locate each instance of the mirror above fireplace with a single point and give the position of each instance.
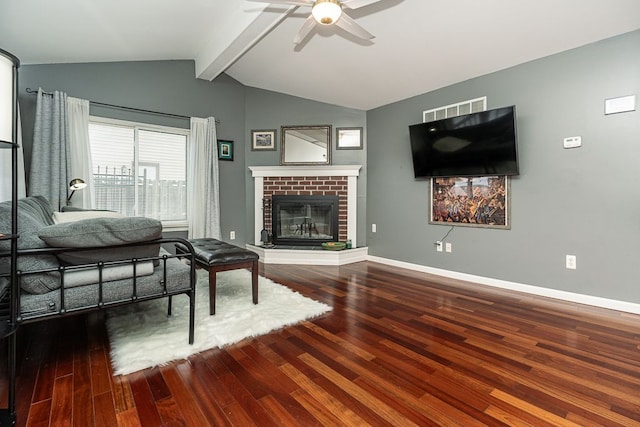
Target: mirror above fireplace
(305, 145)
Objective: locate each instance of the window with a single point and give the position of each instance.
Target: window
(140, 169)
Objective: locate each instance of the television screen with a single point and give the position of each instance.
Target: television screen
(476, 144)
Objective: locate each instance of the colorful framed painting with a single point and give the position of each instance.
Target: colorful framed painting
(264, 139)
(225, 150)
(481, 201)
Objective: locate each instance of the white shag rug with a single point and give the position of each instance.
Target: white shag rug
(142, 336)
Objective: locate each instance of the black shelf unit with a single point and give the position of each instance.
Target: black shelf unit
(8, 272)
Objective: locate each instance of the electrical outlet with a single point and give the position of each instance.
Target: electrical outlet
(571, 262)
(374, 228)
(232, 235)
(447, 247)
(439, 246)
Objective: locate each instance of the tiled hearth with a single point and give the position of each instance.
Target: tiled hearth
(309, 180)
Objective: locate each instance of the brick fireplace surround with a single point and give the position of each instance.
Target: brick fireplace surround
(308, 186)
(309, 180)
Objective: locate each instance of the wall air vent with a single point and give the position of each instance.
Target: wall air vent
(465, 107)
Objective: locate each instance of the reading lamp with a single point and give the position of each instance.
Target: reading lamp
(75, 184)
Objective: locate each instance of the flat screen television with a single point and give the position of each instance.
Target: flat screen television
(477, 144)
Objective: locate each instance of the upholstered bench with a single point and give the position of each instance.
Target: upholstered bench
(214, 256)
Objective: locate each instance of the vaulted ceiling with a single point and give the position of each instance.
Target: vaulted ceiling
(420, 45)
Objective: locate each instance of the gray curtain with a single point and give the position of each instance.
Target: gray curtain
(50, 172)
(203, 200)
(79, 159)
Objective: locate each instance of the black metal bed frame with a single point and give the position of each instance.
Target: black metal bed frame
(11, 317)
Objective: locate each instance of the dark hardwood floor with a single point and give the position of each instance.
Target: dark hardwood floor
(399, 349)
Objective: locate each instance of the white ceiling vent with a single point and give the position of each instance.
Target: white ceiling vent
(465, 107)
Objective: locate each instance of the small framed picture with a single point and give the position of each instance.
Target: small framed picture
(225, 150)
(263, 139)
(349, 138)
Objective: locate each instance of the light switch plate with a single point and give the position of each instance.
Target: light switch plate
(572, 142)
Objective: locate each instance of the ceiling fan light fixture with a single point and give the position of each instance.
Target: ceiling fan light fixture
(326, 12)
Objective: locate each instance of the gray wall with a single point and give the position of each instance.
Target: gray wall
(582, 201)
(165, 86)
(271, 110)
(170, 87)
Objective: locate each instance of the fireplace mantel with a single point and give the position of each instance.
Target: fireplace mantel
(350, 172)
(333, 170)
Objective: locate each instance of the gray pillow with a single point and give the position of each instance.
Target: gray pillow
(4, 286)
(39, 283)
(101, 232)
(33, 214)
(32, 217)
(104, 232)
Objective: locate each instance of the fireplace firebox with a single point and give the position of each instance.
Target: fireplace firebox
(304, 220)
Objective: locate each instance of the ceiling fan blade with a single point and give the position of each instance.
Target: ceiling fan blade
(304, 31)
(354, 4)
(349, 25)
(296, 2)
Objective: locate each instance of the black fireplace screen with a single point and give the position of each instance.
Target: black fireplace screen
(304, 220)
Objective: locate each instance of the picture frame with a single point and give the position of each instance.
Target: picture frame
(349, 138)
(225, 150)
(477, 201)
(263, 140)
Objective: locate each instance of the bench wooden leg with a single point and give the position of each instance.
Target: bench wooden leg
(254, 281)
(212, 291)
(253, 265)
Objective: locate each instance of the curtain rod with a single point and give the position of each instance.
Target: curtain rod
(122, 107)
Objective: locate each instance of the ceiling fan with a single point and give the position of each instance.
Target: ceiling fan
(329, 12)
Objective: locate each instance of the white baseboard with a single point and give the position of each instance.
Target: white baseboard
(628, 307)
